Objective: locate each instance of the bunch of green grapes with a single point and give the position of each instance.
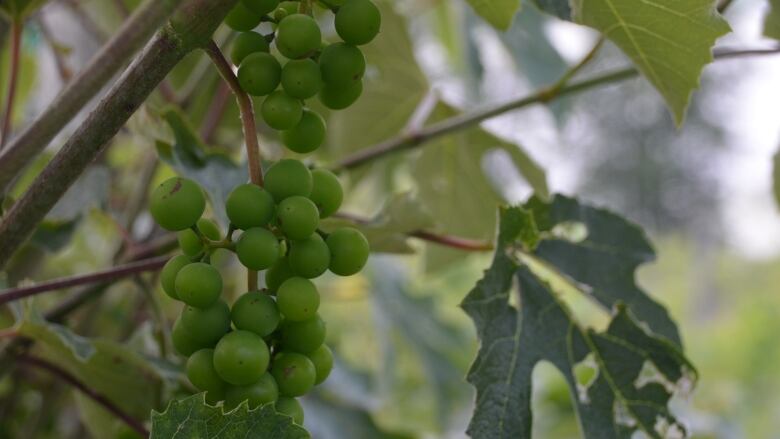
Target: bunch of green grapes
(333, 72)
(268, 347)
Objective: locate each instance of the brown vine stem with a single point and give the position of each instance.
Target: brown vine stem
(93, 394)
(416, 139)
(13, 80)
(248, 123)
(111, 274)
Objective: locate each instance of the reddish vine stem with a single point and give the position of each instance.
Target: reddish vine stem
(13, 80)
(114, 273)
(95, 395)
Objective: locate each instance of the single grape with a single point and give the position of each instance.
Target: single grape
(183, 343)
(342, 65)
(241, 358)
(207, 325)
(348, 251)
(322, 359)
(289, 7)
(169, 272)
(298, 36)
(256, 312)
(298, 299)
(294, 373)
(259, 74)
(358, 21)
(326, 192)
(198, 284)
(276, 275)
(247, 43)
(301, 78)
(290, 407)
(189, 241)
(261, 7)
(307, 135)
(281, 111)
(177, 204)
(303, 337)
(240, 18)
(339, 98)
(309, 257)
(209, 229)
(258, 249)
(262, 392)
(249, 205)
(286, 178)
(298, 217)
(201, 373)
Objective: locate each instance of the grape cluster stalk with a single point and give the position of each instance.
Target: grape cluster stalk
(268, 347)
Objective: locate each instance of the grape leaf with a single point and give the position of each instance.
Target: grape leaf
(19, 9)
(636, 372)
(772, 21)
(558, 8)
(193, 418)
(777, 178)
(499, 13)
(670, 41)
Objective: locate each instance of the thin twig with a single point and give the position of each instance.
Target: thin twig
(216, 111)
(112, 274)
(13, 80)
(545, 95)
(62, 67)
(96, 396)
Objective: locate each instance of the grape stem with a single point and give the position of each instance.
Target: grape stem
(96, 396)
(16, 43)
(411, 140)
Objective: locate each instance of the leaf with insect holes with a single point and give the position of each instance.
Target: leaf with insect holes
(670, 41)
(193, 418)
(499, 13)
(636, 372)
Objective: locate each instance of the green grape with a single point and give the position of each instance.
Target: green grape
(358, 21)
(198, 284)
(326, 192)
(301, 78)
(307, 135)
(261, 7)
(259, 74)
(241, 358)
(298, 299)
(276, 275)
(169, 272)
(310, 257)
(290, 407)
(286, 178)
(322, 359)
(298, 217)
(201, 373)
(289, 7)
(247, 43)
(189, 241)
(342, 65)
(256, 312)
(298, 36)
(294, 373)
(339, 98)
(177, 204)
(303, 337)
(280, 14)
(258, 249)
(240, 18)
(207, 325)
(249, 205)
(348, 251)
(262, 392)
(280, 111)
(183, 343)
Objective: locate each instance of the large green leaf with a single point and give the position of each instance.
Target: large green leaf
(772, 21)
(636, 372)
(498, 13)
(454, 187)
(558, 8)
(192, 418)
(670, 41)
(20, 9)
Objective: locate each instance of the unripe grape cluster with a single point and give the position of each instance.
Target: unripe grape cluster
(306, 67)
(268, 347)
